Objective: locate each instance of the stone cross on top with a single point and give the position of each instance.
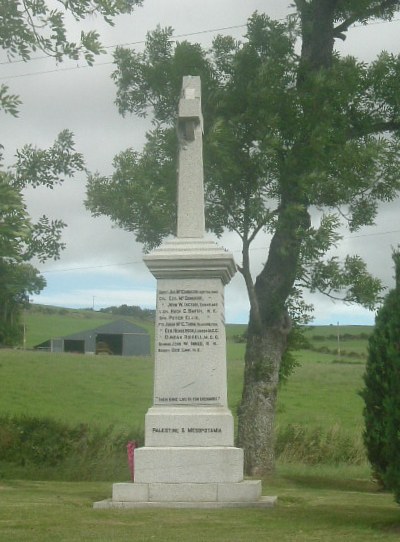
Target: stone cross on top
(190, 169)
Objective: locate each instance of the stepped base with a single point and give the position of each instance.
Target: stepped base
(246, 493)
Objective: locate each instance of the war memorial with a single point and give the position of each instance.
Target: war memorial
(189, 458)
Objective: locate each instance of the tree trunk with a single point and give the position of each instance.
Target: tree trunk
(317, 22)
(268, 329)
(257, 412)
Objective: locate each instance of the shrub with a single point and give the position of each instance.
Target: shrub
(381, 393)
(44, 448)
(296, 443)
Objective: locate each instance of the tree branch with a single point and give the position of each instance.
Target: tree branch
(339, 30)
(248, 279)
(375, 128)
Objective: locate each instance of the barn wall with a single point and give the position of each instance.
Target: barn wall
(136, 344)
(57, 345)
(135, 340)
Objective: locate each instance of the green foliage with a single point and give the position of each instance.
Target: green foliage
(17, 282)
(147, 205)
(382, 390)
(14, 229)
(44, 448)
(255, 115)
(46, 167)
(316, 446)
(20, 238)
(27, 26)
(34, 440)
(284, 134)
(9, 102)
(296, 341)
(133, 310)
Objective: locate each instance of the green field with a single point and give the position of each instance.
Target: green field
(118, 390)
(322, 479)
(322, 392)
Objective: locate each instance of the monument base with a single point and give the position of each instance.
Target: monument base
(244, 494)
(188, 477)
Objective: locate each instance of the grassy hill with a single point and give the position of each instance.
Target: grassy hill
(44, 322)
(323, 391)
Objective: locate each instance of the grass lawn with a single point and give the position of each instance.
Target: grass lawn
(73, 388)
(313, 505)
(322, 393)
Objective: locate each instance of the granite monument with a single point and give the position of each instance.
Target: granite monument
(189, 458)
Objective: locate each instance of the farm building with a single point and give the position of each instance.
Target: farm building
(119, 338)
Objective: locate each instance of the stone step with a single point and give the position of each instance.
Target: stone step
(185, 495)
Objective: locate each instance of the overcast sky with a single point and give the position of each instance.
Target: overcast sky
(101, 265)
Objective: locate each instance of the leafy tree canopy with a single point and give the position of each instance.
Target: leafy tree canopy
(296, 143)
(265, 147)
(27, 26)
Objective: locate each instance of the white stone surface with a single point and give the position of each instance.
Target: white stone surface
(189, 460)
(263, 502)
(188, 464)
(191, 258)
(247, 490)
(186, 492)
(128, 491)
(189, 426)
(124, 494)
(190, 344)
(190, 167)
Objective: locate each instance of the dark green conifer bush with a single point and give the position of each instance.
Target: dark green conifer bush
(382, 391)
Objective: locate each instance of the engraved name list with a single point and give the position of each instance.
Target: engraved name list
(189, 320)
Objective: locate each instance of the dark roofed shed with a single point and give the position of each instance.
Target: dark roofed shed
(119, 337)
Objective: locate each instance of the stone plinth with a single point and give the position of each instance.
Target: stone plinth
(195, 464)
(189, 426)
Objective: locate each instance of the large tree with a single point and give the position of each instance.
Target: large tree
(288, 137)
(27, 26)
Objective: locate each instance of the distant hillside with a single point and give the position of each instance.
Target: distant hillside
(44, 322)
(132, 310)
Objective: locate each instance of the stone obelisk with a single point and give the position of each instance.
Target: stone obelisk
(189, 458)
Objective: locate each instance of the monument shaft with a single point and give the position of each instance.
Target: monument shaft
(190, 162)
